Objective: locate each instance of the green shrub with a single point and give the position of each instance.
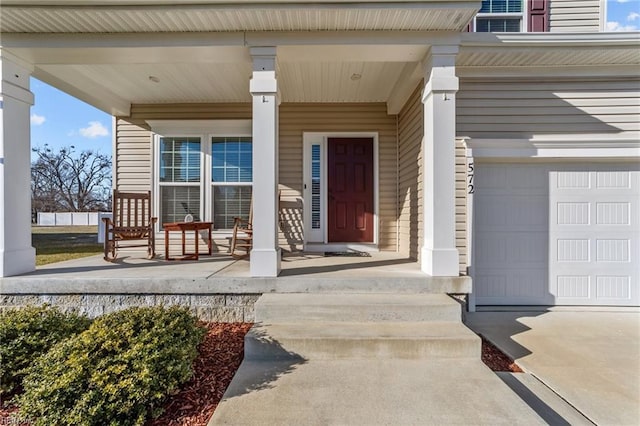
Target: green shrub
(29, 332)
(117, 372)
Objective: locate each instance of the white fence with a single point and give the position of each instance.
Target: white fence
(68, 219)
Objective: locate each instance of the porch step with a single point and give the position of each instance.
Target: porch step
(342, 340)
(359, 326)
(302, 308)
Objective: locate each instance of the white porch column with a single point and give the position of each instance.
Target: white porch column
(439, 253)
(265, 255)
(16, 254)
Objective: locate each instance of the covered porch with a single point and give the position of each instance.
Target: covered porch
(257, 76)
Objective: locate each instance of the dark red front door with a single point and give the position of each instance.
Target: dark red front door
(350, 187)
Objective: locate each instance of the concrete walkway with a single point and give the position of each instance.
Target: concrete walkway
(366, 359)
(590, 358)
(370, 392)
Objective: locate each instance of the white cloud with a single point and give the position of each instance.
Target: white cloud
(633, 16)
(613, 26)
(95, 130)
(37, 120)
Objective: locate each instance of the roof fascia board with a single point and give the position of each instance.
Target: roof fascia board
(568, 146)
(309, 38)
(248, 39)
(519, 40)
(246, 4)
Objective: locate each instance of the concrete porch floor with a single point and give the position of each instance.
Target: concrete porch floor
(221, 273)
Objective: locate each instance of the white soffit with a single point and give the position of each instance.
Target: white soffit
(338, 81)
(223, 82)
(177, 82)
(355, 16)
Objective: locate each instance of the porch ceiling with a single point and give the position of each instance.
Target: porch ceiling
(113, 78)
(118, 16)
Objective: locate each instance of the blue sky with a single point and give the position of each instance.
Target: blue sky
(60, 120)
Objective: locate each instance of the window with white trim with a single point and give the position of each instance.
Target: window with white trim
(500, 16)
(179, 178)
(231, 179)
(203, 169)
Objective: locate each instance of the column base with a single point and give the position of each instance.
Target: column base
(440, 262)
(264, 262)
(16, 262)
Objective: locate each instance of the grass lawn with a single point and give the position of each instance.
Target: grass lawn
(58, 243)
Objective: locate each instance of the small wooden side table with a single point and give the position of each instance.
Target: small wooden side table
(183, 227)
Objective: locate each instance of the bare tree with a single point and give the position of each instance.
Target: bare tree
(70, 181)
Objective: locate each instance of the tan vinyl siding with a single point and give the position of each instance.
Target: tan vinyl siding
(410, 134)
(526, 108)
(133, 155)
(574, 16)
(461, 204)
(295, 119)
(133, 137)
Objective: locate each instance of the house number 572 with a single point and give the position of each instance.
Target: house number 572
(470, 188)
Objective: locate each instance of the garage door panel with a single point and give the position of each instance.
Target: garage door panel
(613, 213)
(613, 288)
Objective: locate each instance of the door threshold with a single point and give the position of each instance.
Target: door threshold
(341, 247)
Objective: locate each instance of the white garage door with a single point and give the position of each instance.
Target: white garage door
(557, 234)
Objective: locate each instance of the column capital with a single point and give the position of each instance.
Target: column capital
(264, 58)
(440, 70)
(14, 78)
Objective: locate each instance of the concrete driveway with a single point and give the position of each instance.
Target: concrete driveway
(591, 358)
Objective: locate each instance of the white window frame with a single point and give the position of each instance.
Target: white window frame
(205, 130)
(158, 185)
(524, 27)
(209, 181)
(318, 239)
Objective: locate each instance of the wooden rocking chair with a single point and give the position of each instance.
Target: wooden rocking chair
(242, 233)
(131, 221)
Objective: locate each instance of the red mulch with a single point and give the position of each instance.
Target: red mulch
(220, 356)
(496, 360)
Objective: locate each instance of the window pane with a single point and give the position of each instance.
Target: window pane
(178, 201)
(498, 25)
(232, 159)
(180, 159)
(501, 6)
(230, 202)
(514, 6)
(315, 187)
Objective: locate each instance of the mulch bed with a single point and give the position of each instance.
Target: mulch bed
(497, 360)
(220, 356)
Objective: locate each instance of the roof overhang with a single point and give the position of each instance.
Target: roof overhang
(113, 71)
(482, 51)
(121, 16)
